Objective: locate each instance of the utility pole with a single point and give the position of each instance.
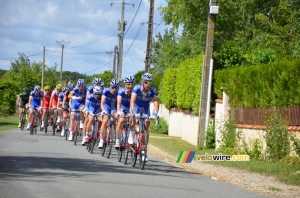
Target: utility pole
(62, 44)
(121, 27)
(149, 38)
(204, 107)
(43, 67)
(115, 62)
(110, 53)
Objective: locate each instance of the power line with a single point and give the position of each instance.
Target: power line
(134, 16)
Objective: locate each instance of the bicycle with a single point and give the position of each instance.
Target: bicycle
(139, 146)
(109, 138)
(76, 125)
(24, 116)
(67, 124)
(123, 141)
(94, 136)
(54, 124)
(46, 122)
(34, 122)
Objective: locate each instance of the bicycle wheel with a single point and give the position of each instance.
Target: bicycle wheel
(126, 155)
(105, 139)
(133, 156)
(110, 142)
(22, 121)
(46, 122)
(54, 124)
(76, 132)
(143, 152)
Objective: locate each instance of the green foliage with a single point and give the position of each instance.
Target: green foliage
(106, 77)
(230, 136)
(272, 84)
(8, 97)
(277, 138)
(167, 94)
(210, 137)
(256, 151)
(161, 128)
(295, 144)
(180, 87)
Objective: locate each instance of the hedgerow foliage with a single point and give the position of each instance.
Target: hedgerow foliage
(180, 87)
(265, 85)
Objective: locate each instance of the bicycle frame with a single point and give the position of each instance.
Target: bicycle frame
(94, 136)
(33, 122)
(76, 125)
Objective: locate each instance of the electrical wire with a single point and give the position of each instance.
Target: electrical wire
(134, 17)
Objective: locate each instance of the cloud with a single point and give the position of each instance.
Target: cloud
(88, 26)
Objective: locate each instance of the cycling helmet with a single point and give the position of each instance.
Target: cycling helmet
(71, 86)
(129, 79)
(64, 89)
(147, 77)
(97, 89)
(47, 88)
(97, 81)
(37, 88)
(25, 89)
(80, 82)
(58, 86)
(114, 83)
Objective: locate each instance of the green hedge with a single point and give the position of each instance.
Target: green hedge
(272, 84)
(180, 87)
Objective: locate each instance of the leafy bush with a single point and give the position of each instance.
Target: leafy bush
(277, 138)
(161, 128)
(210, 137)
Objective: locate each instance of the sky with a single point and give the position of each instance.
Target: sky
(87, 28)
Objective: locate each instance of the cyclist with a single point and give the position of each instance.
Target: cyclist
(141, 96)
(22, 101)
(92, 106)
(77, 95)
(46, 103)
(60, 108)
(96, 82)
(35, 101)
(108, 106)
(66, 108)
(123, 106)
(54, 103)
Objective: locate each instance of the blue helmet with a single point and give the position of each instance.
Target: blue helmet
(71, 86)
(114, 83)
(97, 81)
(37, 88)
(65, 89)
(80, 82)
(129, 79)
(147, 77)
(98, 89)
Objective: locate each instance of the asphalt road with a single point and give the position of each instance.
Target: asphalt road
(44, 165)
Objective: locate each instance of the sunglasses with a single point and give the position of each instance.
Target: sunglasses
(114, 87)
(47, 90)
(97, 94)
(129, 84)
(147, 83)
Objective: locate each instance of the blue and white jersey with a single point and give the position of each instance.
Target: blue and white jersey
(90, 88)
(122, 93)
(81, 94)
(143, 99)
(110, 99)
(61, 97)
(93, 103)
(36, 99)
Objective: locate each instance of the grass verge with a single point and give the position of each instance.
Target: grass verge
(288, 174)
(8, 122)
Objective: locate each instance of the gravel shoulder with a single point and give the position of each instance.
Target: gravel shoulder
(262, 184)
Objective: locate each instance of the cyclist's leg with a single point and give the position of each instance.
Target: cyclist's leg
(20, 116)
(71, 127)
(30, 117)
(103, 130)
(90, 119)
